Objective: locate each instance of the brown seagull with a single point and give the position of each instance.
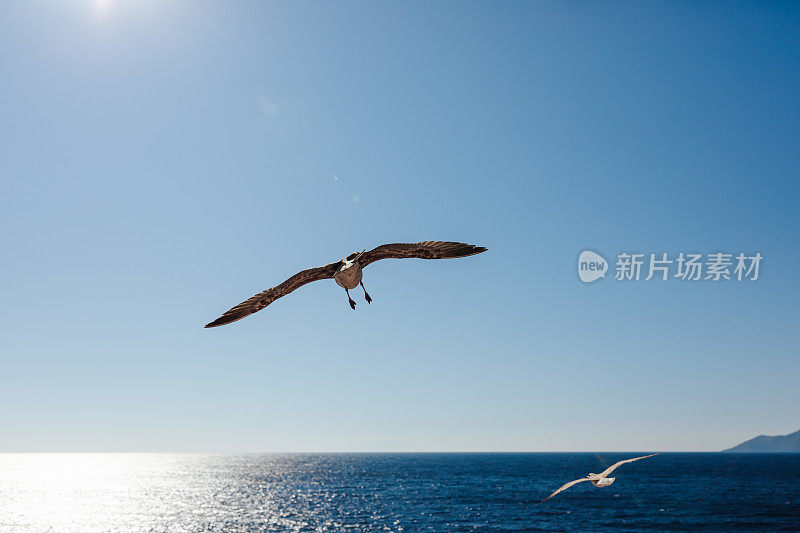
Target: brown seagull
(347, 273)
(598, 480)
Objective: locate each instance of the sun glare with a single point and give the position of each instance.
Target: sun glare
(102, 7)
(69, 490)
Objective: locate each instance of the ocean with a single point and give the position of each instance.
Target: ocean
(396, 492)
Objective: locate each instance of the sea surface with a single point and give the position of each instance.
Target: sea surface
(396, 492)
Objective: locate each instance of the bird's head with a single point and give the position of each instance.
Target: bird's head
(354, 256)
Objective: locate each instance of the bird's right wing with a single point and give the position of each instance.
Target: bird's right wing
(611, 468)
(419, 250)
(264, 298)
(565, 487)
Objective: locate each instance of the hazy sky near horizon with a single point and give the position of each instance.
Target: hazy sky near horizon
(163, 161)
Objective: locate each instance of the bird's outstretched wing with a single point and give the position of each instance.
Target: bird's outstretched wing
(611, 468)
(264, 298)
(420, 250)
(565, 487)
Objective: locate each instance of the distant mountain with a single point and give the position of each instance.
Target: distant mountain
(766, 444)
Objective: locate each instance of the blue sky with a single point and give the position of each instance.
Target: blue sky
(162, 161)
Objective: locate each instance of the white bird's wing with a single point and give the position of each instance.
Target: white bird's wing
(419, 250)
(264, 298)
(611, 468)
(565, 487)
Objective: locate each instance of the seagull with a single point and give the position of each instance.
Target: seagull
(347, 273)
(601, 479)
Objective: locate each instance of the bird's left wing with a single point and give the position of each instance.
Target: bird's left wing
(611, 468)
(565, 487)
(264, 298)
(419, 250)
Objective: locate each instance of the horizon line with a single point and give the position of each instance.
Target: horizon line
(357, 452)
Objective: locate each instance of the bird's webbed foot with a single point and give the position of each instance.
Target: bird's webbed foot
(366, 294)
(352, 302)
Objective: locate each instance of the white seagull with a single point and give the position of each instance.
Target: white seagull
(347, 273)
(601, 479)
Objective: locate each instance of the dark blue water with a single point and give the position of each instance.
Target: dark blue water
(396, 492)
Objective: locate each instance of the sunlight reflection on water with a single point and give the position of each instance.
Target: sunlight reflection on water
(127, 492)
(391, 492)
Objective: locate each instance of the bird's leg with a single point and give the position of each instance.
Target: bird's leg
(366, 294)
(352, 303)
